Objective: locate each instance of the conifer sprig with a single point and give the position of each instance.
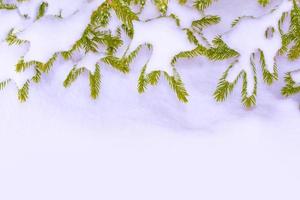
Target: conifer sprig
(291, 87)
(291, 39)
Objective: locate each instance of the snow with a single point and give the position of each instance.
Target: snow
(166, 38)
(52, 34)
(62, 145)
(254, 30)
(296, 76)
(12, 55)
(185, 13)
(8, 20)
(89, 61)
(63, 7)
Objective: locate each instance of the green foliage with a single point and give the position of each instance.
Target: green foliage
(42, 10)
(177, 85)
(12, 39)
(162, 6)
(291, 86)
(291, 46)
(95, 81)
(264, 2)
(123, 11)
(142, 81)
(249, 100)
(220, 50)
(268, 77)
(153, 77)
(37, 77)
(6, 6)
(119, 64)
(206, 21)
(3, 84)
(291, 39)
(201, 5)
(73, 75)
(24, 92)
(225, 88)
(97, 38)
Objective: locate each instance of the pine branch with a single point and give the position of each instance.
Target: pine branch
(153, 77)
(292, 37)
(72, 76)
(249, 100)
(201, 5)
(177, 85)
(206, 21)
(42, 10)
(5, 6)
(291, 86)
(123, 11)
(142, 81)
(3, 84)
(224, 87)
(23, 92)
(162, 6)
(264, 2)
(12, 39)
(117, 63)
(268, 77)
(220, 51)
(95, 81)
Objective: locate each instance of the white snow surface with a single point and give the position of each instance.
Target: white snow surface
(8, 20)
(11, 56)
(63, 8)
(52, 34)
(63, 145)
(254, 30)
(166, 38)
(181, 12)
(89, 61)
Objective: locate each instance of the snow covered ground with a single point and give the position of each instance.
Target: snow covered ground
(62, 145)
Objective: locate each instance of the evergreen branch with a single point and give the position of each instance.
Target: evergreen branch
(201, 5)
(12, 38)
(24, 92)
(22, 65)
(198, 51)
(177, 85)
(191, 37)
(225, 87)
(142, 81)
(124, 13)
(48, 65)
(220, 51)
(37, 77)
(264, 2)
(42, 10)
(153, 77)
(72, 76)
(3, 84)
(291, 87)
(293, 35)
(268, 77)
(206, 21)
(249, 100)
(95, 81)
(119, 64)
(5, 6)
